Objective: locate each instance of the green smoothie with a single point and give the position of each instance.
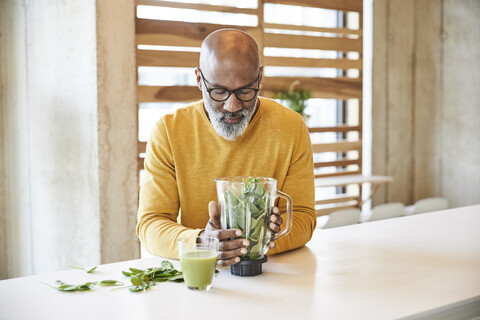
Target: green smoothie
(198, 268)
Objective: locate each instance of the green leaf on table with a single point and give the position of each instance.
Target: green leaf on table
(135, 271)
(167, 265)
(91, 270)
(176, 278)
(110, 283)
(62, 286)
(136, 288)
(143, 279)
(87, 270)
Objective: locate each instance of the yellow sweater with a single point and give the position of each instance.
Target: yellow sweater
(185, 155)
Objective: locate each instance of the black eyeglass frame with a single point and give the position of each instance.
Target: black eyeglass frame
(228, 90)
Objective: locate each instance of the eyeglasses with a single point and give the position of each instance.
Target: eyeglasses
(222, 94)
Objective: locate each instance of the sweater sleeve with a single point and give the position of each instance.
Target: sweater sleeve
(300, 186)
(157, 225)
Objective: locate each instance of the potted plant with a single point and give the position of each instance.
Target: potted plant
(295, 98)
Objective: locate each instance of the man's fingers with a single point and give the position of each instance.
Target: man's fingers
(222, 234)
(275, 220)
(225, 255)
(229, 262)
(230, 251)
(234, 244)
(274, 227)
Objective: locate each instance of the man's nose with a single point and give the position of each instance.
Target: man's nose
(232, 104)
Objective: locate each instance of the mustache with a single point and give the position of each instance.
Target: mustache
(228, 114)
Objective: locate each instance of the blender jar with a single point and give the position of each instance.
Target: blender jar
(246, 203)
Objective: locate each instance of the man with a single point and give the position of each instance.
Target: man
(231, 132)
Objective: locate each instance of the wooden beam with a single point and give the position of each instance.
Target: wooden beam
(196, 6)
(341, 146)
(343, 31)
(141, 147)
(312, 62)
(167, 58)
(337, 163)
(337, 199)
(311, 42)
(341, 128)
(168, 94)
(140, 163)
(190, 59)
(326, 88)
(345, 5)
(158, 39)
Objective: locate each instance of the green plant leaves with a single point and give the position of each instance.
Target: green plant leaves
(140, 280)
(295, 98)
(143, 279)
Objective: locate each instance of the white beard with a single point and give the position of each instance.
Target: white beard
(229, 131)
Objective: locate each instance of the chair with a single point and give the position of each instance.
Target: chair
(429, 204)
(385, 211)
(341, 218)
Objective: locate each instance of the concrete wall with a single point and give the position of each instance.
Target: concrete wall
(425, 99)
(117, 129)
(69, 134)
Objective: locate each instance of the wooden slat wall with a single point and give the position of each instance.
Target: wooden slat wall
(326, 88)
(179, 33)
(187, 34)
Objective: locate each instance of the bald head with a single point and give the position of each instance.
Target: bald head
(229, 52)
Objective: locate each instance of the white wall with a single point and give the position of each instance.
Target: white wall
(460, 97)
(425, 106)
(69, 134)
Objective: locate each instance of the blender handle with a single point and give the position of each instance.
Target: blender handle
(288, 225)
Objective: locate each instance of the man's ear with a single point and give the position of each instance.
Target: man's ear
(198, 77)
(260, 77)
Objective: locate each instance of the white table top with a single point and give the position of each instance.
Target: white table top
(378, 270)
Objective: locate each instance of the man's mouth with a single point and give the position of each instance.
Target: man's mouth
(233, 119)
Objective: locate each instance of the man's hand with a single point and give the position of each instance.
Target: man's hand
(230, 250)
(275, 223)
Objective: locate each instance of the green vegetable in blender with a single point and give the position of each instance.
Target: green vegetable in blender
(250, 213)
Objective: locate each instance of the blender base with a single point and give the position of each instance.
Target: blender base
(248, 268)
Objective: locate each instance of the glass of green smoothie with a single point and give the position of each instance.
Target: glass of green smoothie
(198, 259)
